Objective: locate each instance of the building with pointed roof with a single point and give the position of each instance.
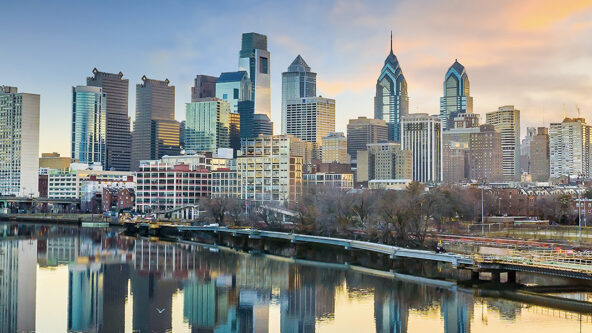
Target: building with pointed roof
(457, 98)
(391, 102)
(298, 82)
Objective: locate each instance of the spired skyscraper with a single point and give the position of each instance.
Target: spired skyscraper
(254, 59)
(457, 98)
(391, 102)
(297, 82)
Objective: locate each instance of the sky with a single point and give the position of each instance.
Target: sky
(536, 55)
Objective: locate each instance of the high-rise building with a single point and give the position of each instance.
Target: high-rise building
(455, 148)
(382, 161)
(422, 134)
(204, 86)
(391, 102)
(457, 98)
(506, 120)
(207, 125)
(570, 148)
(234, 87)
(539, 155)
(311, 119)
(524, 159)
(234, 134)
(297, 82)
(19, 142)
(251, 124)
(334, 148)
(254, 58)
(89, 130)
(156, 133)
(118, 138)
(363, 131)
(486, 155)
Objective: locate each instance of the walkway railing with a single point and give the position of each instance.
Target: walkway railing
(565, 261)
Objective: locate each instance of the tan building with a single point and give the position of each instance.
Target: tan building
(486, 154)
(506, 121)
(334, 149)
(54, 161)
(539, 155)
(455, 148)
(363, 131)
(384, 161)
(310, 119)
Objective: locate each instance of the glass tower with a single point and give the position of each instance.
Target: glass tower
(234, 87)
(391, 102)
(297, 82)
(89, 114)
(254, 58)
(457, 97)
(207, 125)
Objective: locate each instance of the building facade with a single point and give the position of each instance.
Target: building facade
(207, 125)
(118, 137)
(539, 155)
(204, 86)
(254, 58)
(422, 134)
(570, 148)
(341, 181)
(334, 149)
(234, 131)
(506, 120)
(457, 95)
(384, 161)
(456, 148)
(89, 129)
(156, 133)
(363, 131)
(391, 102)
(298, 82)
(485, 157)
(311, 119)
(54, 161)
(19, 142)
(234, 87)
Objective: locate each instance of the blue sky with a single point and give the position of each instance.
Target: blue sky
(508, 49)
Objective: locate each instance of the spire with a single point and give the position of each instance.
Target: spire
(391, 41)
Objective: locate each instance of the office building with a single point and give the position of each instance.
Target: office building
(252, 124)
(204, 87)
(539, 155)
(455, 148)
(570, 148)
(524, 159)
(457, 97)
(311, 119)
(226, 183)
(234, 134)
(384, 161)
(156, 133)
(54, 161)
(89, 130)
(298, 82)
(234, 87)
(334, 149)
(268, 169)
(254, 58)
(118, 137)
(391, 102)
(506, 120)
(363, 131)
(19, 142)
(340, 181)
(207, 125)
(486, 155)
(70, 183)
(422, 134)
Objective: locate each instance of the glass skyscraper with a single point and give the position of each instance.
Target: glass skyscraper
(457, 97)
(89, 130)
(297, 82)
(207, 125)
(254, 58)
(391, 102)
(234, 87)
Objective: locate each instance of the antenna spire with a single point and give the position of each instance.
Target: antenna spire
(391, 41)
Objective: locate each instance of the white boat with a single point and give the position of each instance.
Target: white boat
(95, 224)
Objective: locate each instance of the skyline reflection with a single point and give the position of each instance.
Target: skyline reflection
(198, 289)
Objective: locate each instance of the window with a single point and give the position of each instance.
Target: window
(235, 93)
(225, 97)
(263, 65)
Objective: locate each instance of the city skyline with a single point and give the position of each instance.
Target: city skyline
(508, 62)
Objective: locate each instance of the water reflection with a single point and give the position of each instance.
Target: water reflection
(225, 291)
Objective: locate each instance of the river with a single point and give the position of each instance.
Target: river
(59, 279)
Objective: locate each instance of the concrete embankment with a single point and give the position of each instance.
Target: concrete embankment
(67, 219)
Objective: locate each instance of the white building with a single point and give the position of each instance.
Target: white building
(422, 134)
(570, 148)
(19, 142)
(341, 181)
(70, 184)
(506, 120)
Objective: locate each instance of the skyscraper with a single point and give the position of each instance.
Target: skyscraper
(391, 102)
(156, 133)
(506, 120)
(486, 154)
(363, 131)
(207, 125)
(297, 82)
(456, 99)
(524, 159)
(539, 155)
(311, 119)
(334, 149)
(204, 86)
(382, 161)
(234, 87)
(89, 131)
(570, 148)
(422, 134)
(19, 142)
(118, 138)
(254, 58)
(455, 148)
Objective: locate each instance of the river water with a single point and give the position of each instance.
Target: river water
(60, 279)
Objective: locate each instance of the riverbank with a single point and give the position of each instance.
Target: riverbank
(68, 219)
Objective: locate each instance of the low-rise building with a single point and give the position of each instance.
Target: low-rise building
(388, 184)
(342, 181)
(118, 198)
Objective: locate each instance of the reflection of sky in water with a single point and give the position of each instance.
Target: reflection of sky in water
(91, 281)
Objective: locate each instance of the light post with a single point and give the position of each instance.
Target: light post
(579, 216)
(482, 212)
